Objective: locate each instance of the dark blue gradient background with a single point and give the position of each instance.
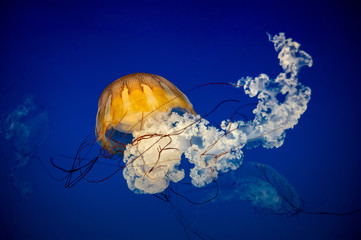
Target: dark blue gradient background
(66, 53)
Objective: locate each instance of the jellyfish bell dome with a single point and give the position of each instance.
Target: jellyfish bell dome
(127, 101)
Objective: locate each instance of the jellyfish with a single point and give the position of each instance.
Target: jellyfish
(26, 128)
(150, 127)
(267, 190)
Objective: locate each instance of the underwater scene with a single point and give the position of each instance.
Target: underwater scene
(180, 120)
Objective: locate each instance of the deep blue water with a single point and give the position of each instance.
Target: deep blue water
(65, 54)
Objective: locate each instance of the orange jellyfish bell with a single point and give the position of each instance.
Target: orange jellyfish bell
(125, 103)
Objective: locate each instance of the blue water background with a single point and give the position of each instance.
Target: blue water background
(66, 53)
